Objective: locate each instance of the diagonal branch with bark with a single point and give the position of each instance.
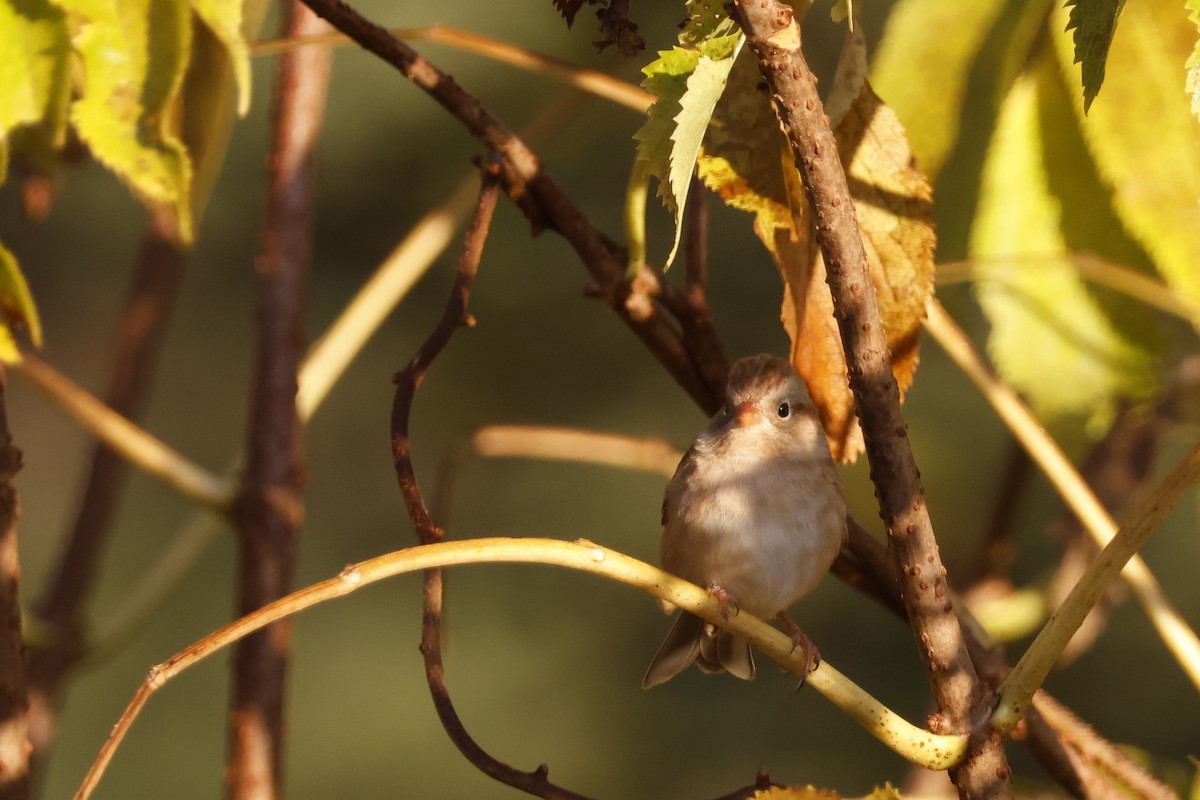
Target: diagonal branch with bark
(546, 206)
(962, 699)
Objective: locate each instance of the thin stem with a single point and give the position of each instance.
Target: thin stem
(588, 80)
(1117, 277)
(552, 444)
(1104, 768)
(574, 444)
(268, 510)
(915, 744)
(540, 199)
(1180, 639)
(139, 334)
(1031, 671)
(128, 440)
(15, 746)
(378, 297)
(454, 316)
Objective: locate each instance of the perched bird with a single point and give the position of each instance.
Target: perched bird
(754, 513)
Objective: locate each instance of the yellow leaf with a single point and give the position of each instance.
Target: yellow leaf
(16, 307)
(134, 56)
(924, 66)
(33, 66)
(224, 19)
(894, 205)
(1143, 138)
(1053, 337)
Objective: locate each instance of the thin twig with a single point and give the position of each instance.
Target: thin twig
(268, 511)
(541, 200)
(993, 556)
(552, 444)
(454, 316)
(962, 699)
(15, 748)
(131, 442)
(696, 315)
(1109, 274)
(1179, 638)
(377, 298)
(588, 80)
(139, 334)
(1117, 469)
(913, 743)
(1030, 672)
(1106, 769)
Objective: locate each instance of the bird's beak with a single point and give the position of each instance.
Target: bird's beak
(746, 414)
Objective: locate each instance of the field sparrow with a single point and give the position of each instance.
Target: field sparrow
(754, 513)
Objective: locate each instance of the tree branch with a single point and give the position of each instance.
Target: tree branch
(1179, 638)
(913, 743)
(148, 304)
(962, 699)
(14, 705)
(268, 510)
(541, 200)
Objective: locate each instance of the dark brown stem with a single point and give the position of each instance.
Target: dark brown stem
(1104, 770)
(14, 704)
(541, 200)
(454, 316)
(962, 699)
(694, 313)
(994, 555)
(148, 305)
(1117, 470)
(268, 510)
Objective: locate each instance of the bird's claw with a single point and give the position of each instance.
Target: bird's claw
(725, 600)
(812, 656)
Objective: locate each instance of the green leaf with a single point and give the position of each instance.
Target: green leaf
(134, 56)
(1145, 142)
(967, 56)
(707, 19)
(688, 83)
(1071, 349)
(1192, 85)
(16, 306)
(224, 19)
(34, 64)
(1094, 23)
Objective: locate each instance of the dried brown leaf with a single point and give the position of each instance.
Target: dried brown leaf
(894, 205)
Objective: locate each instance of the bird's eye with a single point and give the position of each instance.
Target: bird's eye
(784, 410)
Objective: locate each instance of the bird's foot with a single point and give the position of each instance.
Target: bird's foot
(725, 599)
(812, 656)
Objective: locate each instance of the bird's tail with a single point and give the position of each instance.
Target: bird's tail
(690, 640)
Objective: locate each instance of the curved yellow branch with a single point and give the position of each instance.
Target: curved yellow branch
(917, 745)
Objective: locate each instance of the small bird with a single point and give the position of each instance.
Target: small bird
(754, 513)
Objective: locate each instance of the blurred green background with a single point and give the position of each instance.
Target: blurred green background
(544, 664)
